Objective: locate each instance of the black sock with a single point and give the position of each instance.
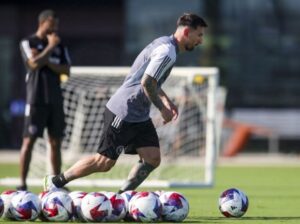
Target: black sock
(59, 180)
(141, 172)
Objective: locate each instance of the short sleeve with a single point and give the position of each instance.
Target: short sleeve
(25, 49)
(65, 56)
(160, 61)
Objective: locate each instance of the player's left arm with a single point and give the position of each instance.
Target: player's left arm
(62, 67)
(59, 69)
(168, 102)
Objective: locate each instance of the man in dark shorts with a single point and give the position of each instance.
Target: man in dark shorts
(46, 59)
(127, 124)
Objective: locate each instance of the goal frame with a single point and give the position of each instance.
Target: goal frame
(211, 126)
(212, 134)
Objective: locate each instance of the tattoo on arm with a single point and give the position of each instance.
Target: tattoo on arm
(150, 87)
(163, 96)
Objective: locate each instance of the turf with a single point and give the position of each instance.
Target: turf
(273, 192)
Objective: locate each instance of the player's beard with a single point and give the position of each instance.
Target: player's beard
(189, 48)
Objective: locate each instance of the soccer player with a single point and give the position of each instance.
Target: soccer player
(45, 60)
(127, 125)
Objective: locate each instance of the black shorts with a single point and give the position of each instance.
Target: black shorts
(118, 136)
(49, 116)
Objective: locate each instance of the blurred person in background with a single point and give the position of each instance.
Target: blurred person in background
(46, 60)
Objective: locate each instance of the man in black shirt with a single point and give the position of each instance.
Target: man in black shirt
(46, 59)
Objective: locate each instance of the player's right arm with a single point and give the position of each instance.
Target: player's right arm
(161, 61)
(35, 60)
(152, 91)
(168, 103)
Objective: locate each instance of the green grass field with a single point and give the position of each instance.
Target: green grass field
(273, 192)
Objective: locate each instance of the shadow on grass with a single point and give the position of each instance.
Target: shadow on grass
(272, 218)
(249, 219)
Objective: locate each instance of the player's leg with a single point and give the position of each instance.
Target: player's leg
(55, 154)
(150, 159)
(25, 158)
(56, 126)
(34, 124)
(89, 165)
(103, 161)
(146, 144)
(82, 168)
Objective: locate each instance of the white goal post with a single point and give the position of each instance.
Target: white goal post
(188, 145)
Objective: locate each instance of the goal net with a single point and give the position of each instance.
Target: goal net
(188, 145)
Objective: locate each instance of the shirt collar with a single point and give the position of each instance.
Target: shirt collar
(174, 42)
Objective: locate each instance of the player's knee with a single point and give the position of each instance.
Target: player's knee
(153, 160)
(55, 143)
(107, 167)
(150, 156)
(103, 164)
(156, 162)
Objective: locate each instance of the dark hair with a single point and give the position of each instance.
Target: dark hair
(46, 14)
(191, 20)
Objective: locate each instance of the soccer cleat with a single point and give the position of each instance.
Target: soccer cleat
(48, 184)
(21, 188)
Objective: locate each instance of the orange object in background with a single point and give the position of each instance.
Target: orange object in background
(240, 136)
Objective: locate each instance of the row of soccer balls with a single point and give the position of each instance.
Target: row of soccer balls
(109, 206)
(61, 206)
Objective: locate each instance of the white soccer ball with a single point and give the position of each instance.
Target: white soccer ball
(159, 192)
(7, 197)
(25, 206)
(77, 197)
(57, 206)
(95, 207)
(41, 195)
(127, 195)
(145, 207)
(175, 207)
(118, 206)
(233, 203)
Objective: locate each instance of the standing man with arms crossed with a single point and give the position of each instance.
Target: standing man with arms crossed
(127, 125)
(45, 60)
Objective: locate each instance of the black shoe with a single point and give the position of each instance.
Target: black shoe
(21, 188)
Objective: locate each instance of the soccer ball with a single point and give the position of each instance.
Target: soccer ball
(233, 203)
(41, 196)
(25, 206)
(7, 197)
(1, 206)
(57, 206)
(159, 192)
(95, 207)
(77, 197)
(127, 195)
(145, 207)
(175, 207)
(118, 206)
